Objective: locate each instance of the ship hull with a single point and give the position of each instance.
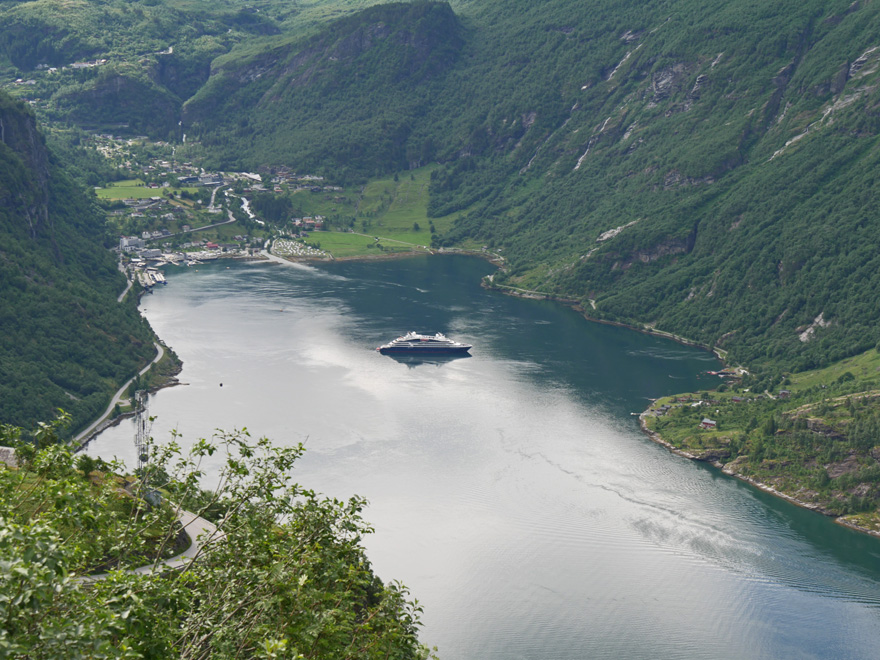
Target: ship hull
(423, 350)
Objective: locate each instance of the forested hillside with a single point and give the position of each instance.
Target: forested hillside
(704, 168)
(345, 101)
(66, 342)
(120, 65)
(701, 167)
(283, 575)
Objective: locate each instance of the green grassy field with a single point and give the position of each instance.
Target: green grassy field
(128, 189)
(735, 417)
(395, 212)
(863, 367)
(133, 189)
(344, 244)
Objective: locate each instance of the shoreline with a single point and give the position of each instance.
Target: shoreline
(106, 421)
(110, 422)
(576, 305)
(656, 437)
(840, 520)
(388, 256)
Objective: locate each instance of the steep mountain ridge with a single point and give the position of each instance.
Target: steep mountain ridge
(67, 343)
(722, 160)
(345, 99)
(703, 168)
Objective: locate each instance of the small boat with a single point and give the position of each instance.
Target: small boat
(415, 343)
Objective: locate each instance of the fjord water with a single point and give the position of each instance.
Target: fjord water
(511, 491)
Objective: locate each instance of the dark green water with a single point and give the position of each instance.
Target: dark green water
(511, 491)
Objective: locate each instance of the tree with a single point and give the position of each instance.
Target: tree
(285, 577)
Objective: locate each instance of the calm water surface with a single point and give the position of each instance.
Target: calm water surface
(511, 491)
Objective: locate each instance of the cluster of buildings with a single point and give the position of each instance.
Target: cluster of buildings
(86, 64)
(210, 179)
(137, 244)
(707, 423)
(137, 249)
(139, 208)
(253, 182)
(143, 265)
(309, 223)
(128, 244)
(159, 233)
(149, 277)
(89, 64)
(187, 174)
(119, 150)
(282, 176)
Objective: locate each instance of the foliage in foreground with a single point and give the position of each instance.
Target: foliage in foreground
(285, 577)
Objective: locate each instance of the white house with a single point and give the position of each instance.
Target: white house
(130, 243)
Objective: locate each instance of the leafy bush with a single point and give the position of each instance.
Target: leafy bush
(285, 574)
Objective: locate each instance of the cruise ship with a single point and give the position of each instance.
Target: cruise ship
(414, 343)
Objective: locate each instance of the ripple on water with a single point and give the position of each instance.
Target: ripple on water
(513, 492)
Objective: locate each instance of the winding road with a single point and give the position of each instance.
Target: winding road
(84, 436)
(200, 531)
(121, 296)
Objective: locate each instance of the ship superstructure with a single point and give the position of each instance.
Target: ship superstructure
(413, 342)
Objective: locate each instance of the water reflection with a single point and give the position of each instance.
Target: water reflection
(413, 361)
(512, 492)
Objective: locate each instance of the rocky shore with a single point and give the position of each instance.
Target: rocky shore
(709, 456)
(846, 521)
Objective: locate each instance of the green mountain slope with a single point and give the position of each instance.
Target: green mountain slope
(702, 167)
(344, 100)
(66, 342)
(119, 65)
(741, 240)
(705, 168)
(673, 130)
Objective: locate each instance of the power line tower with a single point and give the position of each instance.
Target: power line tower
(142, 436)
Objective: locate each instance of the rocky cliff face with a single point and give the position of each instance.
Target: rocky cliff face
(67, 342)
(23, 147)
